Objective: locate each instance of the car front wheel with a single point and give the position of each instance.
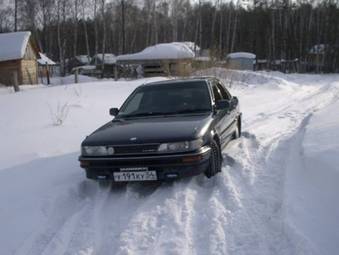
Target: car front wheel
(215, 161)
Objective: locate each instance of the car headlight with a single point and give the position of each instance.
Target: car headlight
(181, 146)
(97, 151)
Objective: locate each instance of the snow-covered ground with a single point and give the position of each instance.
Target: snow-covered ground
(277, 193)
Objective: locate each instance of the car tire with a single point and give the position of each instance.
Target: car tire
(215, 161)
(104, 184)
(237, 132)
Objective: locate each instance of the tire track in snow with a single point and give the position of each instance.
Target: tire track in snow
(263, 200)
(53, 235)
(162, 222)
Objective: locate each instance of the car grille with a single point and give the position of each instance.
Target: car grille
(135, 149)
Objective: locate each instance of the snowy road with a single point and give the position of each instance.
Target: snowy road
(47, 206)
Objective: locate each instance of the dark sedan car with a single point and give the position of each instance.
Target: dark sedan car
(164, 131)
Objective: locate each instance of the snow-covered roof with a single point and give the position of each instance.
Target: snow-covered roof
(192, 45)
(83, 59)
(43, 60)
(241, 55)
(109, 58)
(161, 51)
(13, 45)
(318, 49)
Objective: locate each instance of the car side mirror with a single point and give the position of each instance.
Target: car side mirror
(114, 111)
(222, 104)
(235, 101)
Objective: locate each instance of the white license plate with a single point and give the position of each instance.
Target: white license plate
(135, 176)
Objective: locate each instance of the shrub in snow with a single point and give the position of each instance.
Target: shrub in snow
(77, 90)
(59, 115)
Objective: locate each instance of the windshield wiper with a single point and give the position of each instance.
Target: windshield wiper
(190, 111)
(141, 114)
(145, 114)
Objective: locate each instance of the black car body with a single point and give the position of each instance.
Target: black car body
(164, 130)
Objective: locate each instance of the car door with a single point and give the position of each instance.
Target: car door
(228, 121)
(221, 116)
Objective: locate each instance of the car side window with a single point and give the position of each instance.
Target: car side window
(225, 94)
(216, 93)
(134, 104)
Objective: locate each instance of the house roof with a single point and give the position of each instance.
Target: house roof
(110, 58)
(241, 55)
(161, 51)
(43, 60)
(318, 49)
(13, 45)
(83, 59)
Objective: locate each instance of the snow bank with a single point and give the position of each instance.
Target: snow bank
(31, 114)
(247, 78)
(70, 79)
(13, 45)
(313, 177)
(161, 51)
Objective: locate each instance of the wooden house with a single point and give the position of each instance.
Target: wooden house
(163, 59)
(18, 59)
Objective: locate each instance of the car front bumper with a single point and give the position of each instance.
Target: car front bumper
(167, 167)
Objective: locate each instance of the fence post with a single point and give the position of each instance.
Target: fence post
(15, 81)
(76, 75)
(47, 74)
(116, 72)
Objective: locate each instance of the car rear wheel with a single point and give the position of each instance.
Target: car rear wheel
(215, 161)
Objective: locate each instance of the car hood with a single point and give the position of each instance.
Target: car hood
(150, 130)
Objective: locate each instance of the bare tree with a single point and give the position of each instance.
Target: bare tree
(75, 25)
(84, 4)
(61, 18)
(271, 29)
(123, 28)
(96, 44)
(103, 36)
(16, 15)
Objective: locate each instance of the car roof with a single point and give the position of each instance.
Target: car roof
(181, 80)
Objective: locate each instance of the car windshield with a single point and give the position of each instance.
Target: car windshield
(165, 99)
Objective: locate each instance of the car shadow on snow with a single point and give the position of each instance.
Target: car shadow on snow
(48, 175)
(61, 176)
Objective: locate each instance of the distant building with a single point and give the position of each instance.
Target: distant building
(159, 60)
(18, 59)
(46, 66)
(80, 60)
(315, 58)
(241, 61)
(109, 61)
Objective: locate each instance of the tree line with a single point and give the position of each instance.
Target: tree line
(275, 29)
